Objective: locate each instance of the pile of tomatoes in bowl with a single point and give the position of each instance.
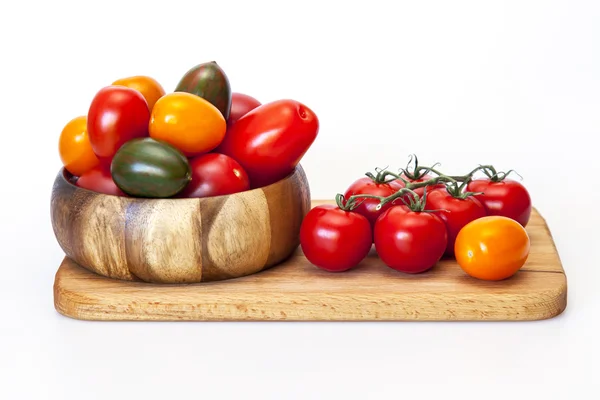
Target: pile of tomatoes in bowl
(200, 140)
(416, 217)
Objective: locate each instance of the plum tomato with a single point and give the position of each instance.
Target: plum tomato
(492, 248)
(99, 179)
(241, 104)
(505, 198)
(215, 174)
(75, 149)
(410, 241)
(116, 115)
(188, 122)
(270, 140)
(147, 86)
(333, 239)
(455, 212)
(367, 207)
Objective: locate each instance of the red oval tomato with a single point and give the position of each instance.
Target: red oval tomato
(241, 104)
(116, 115)
(99, 180)
(455, 212)
(333, 239)
(215, 174)
(270, 140)
(367, 206)
(506, 198)
(410, 242)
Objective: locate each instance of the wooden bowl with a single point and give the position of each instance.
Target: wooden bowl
(179, 240)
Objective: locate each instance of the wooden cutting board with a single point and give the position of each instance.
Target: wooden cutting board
(298, 291)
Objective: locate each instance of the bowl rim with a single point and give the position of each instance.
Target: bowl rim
(64, 176)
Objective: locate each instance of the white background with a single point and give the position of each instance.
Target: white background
(515, 84)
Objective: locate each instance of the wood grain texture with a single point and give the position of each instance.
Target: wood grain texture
(179, 240)
(297, 291)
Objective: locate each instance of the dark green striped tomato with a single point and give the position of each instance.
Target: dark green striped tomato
(150, 168)
(209, 81)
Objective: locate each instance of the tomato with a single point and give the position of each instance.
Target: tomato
(147, 86)
(506, 198)
(420, 190)
(188, 122)
(74, 147)
(409, 241)
(333, 239)
(99, 180)
(455, 213)
(270, 140)
(241, 104)
(367, 206)
(492, 248)
(116, 115)
(215, 174)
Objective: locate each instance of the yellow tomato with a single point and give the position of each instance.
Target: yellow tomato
(492, 248)
(147, 86)
(75, 149)
(188, 122)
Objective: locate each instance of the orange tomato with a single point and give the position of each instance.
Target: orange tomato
(188, 122)
(147, 86)
(75, 149)
(492, 248)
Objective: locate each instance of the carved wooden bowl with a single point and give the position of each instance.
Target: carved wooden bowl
(179, 240)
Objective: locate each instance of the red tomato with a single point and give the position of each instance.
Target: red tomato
(215, 174)
(99, 180)
(241, 104)
(116, 115)
(367, 207)
(410, 242)
(270, 140)
(333, 239)
(456, 213)
(421, 190)
(506, 198)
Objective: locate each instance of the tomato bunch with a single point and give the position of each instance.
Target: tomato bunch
(200, 140)
(415, 218)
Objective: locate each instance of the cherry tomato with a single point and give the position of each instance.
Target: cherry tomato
(506, 198)
(492, 248)
(75, 149)
(241, 104)
(270, 140)
(408, 241)
(367, 206)
(147, 86)
(455, 213)
(188, 122)
(99, 180)
(333, 239)
(117, 114)
(215, 174)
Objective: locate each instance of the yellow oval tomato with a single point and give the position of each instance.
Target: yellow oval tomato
(188, 122)
(492, 248)
(75, 149)
(147, 86)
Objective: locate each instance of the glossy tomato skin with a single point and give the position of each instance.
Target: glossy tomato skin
(241, 104)
(492, 248)
(74, 147)
(410, 242)
(116, 115)
(507, 198)
(270, 140)
(333, 239)
(456, 213)
(367, 207)
(99, 180)
(215, 174)
(146, 85)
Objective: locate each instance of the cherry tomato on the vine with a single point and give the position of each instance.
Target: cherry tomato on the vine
(147, 86)
(506, 198)
(99, 180)
(409, 241)
(492, 248)
(333, 239)
(74, 147)
(367, 207)
(241, 104)
(215, 174)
